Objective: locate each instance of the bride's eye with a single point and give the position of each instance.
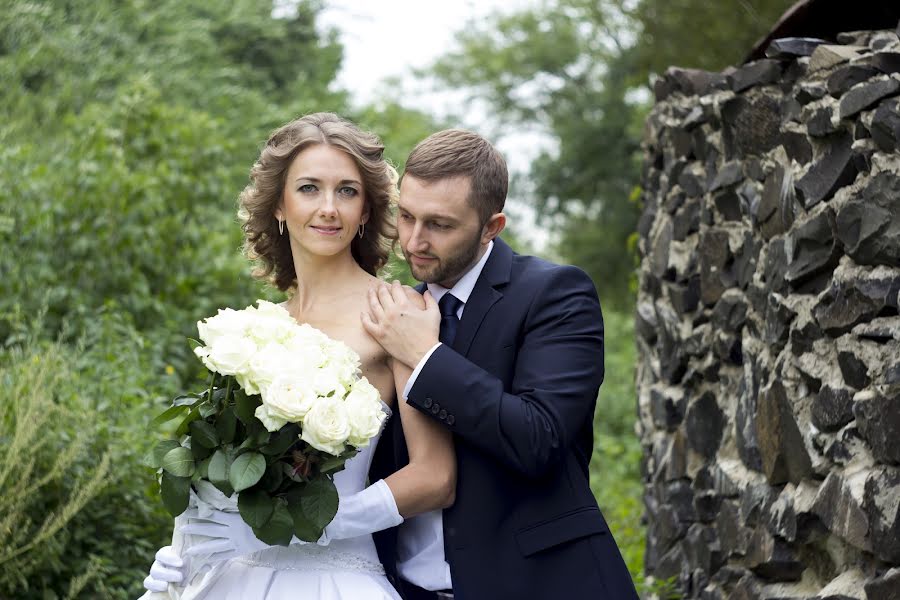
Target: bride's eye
(348, 191)
(306, 188)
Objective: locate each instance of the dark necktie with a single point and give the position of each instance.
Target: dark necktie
(449, 305)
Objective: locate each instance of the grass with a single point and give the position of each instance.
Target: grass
(615, 464)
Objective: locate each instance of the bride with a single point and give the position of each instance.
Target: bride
(317, 217)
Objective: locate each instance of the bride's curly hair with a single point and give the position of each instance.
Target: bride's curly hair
(258, 201)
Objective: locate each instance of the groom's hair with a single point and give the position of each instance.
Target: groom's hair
(461, 153)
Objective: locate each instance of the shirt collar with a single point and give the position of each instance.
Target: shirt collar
(463, 288)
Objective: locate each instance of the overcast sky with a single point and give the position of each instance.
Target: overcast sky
(391, 37)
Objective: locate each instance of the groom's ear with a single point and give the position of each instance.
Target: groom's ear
(493, 227)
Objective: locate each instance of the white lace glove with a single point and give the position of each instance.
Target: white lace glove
(165, 569)
(229, 536)
(368, 511)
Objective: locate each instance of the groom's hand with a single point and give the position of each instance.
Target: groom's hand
(398, 322)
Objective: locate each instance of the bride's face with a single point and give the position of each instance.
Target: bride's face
(323, 203)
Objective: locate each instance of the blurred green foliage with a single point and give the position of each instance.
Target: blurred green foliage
(615, 464)
(88, 403)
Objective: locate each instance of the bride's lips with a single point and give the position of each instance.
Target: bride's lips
(324, 230)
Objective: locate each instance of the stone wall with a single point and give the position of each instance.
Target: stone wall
(768, 328)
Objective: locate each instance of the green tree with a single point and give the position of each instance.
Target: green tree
(700, 35)
(231, 59)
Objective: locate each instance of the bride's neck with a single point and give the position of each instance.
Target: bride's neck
(321, 280)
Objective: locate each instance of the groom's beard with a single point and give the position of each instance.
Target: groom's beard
(447, 270)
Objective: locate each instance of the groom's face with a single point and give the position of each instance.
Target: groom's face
(440, 232)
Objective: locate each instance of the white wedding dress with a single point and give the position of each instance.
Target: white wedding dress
(343, 570)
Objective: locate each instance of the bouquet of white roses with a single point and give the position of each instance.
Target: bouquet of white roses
(284, 409)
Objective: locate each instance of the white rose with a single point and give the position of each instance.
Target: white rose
(227, 323)
(247, 384)
(266, 329)
(268, 363)
(307, 354)
(288, 398)
(229, 355)
(326, 381)
(345, 361)
(273, 310)
(364, 411)
(326, 426)
(269, 421)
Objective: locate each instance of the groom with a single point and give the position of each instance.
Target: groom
(514, 377)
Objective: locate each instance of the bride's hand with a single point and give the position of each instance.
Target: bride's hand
(165, 569)
(228, 536)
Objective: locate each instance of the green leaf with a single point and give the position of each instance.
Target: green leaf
(194, 344)
(246, 470)
(312, 508)
(320, 501)
(200, 452)
(207, 409)
(335, 464)
(279, 530)
(257, 432)
(281, 440)
(256, 507)
(186, 400)
(303, 527)
(225, 488)
(179, 462)
(273, 477)
(226, 425)
(175, 492)
(247, 445)
(148, 460)
(186, 423)
(167, 415)
(160, 450)
(218, 467)
(245, 407)
(204, 434)
(203, 468)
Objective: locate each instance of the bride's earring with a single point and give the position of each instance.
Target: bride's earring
(362, 230)
(280, 227)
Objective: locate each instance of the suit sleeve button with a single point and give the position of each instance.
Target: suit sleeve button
(435, 408)
(451, 419)
(428, 402)
(442, 415)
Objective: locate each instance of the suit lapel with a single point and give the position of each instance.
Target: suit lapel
(495, 274)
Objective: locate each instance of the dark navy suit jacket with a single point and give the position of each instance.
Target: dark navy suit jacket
(518, 389)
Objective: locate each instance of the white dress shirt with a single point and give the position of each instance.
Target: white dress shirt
(420, 539)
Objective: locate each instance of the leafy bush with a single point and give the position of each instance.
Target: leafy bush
(77, 505)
